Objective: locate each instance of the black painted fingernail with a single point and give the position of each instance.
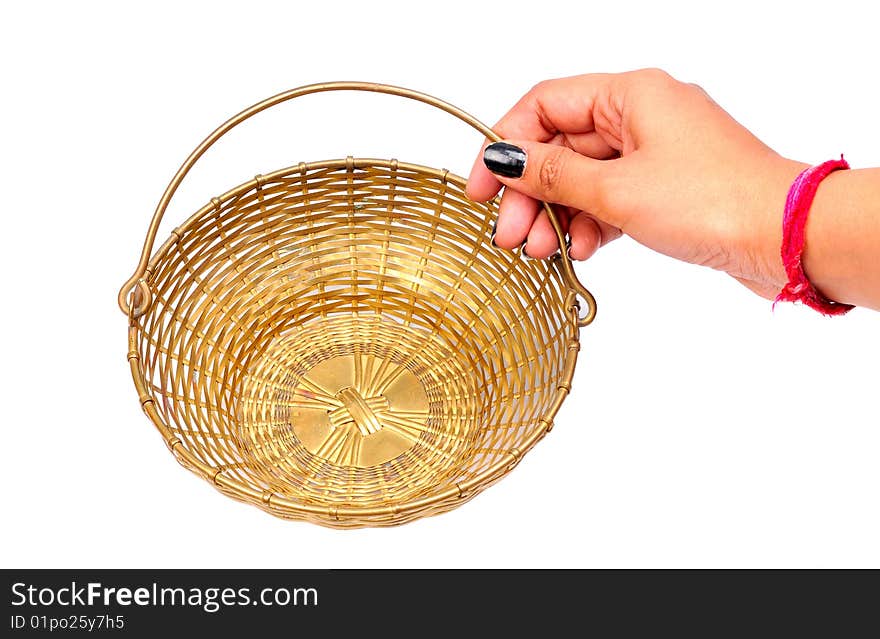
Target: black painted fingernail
(505, 159)
(523, 252)
(568, 247)
(492, 234)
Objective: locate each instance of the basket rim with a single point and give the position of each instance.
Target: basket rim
(258, 180)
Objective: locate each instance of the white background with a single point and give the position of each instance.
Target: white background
(703, 429)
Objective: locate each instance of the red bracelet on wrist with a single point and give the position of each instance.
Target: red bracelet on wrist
(794, 224)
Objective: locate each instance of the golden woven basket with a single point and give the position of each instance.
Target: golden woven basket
(339, 341)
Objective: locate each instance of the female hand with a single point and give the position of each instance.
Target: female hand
(644, 154)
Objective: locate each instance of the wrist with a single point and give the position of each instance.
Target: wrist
(763, 235)
(839, 247)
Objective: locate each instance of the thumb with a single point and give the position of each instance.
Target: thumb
(551, 173)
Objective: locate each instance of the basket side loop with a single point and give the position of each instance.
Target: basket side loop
(582, 293)
(144, 298)
(138, 297)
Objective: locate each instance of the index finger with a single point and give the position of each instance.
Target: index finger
(564, 105)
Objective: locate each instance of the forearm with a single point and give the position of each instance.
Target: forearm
(842, 248)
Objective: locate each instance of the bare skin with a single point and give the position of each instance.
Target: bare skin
(643, 154)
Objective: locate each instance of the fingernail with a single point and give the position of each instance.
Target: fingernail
(523, 252)
(505, 159)
(492, 234)
(568, 247)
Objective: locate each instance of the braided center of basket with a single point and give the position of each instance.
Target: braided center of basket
(358, 410)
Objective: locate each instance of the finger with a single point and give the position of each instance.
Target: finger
(563, 215)
(590, 144)
(585, 237)
(516, 214)
(563, 105)
(542, 241)
(481, 184)
(589, 234)
(553, 174)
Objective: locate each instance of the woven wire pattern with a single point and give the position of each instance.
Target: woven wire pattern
(279, 297)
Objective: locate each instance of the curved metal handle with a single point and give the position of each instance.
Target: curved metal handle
(135, 297)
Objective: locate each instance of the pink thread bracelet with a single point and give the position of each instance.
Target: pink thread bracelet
(794, 224)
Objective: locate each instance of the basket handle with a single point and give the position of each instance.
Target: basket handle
(135, 296)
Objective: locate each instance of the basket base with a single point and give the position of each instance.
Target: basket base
(359, 410)
(357, 402)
